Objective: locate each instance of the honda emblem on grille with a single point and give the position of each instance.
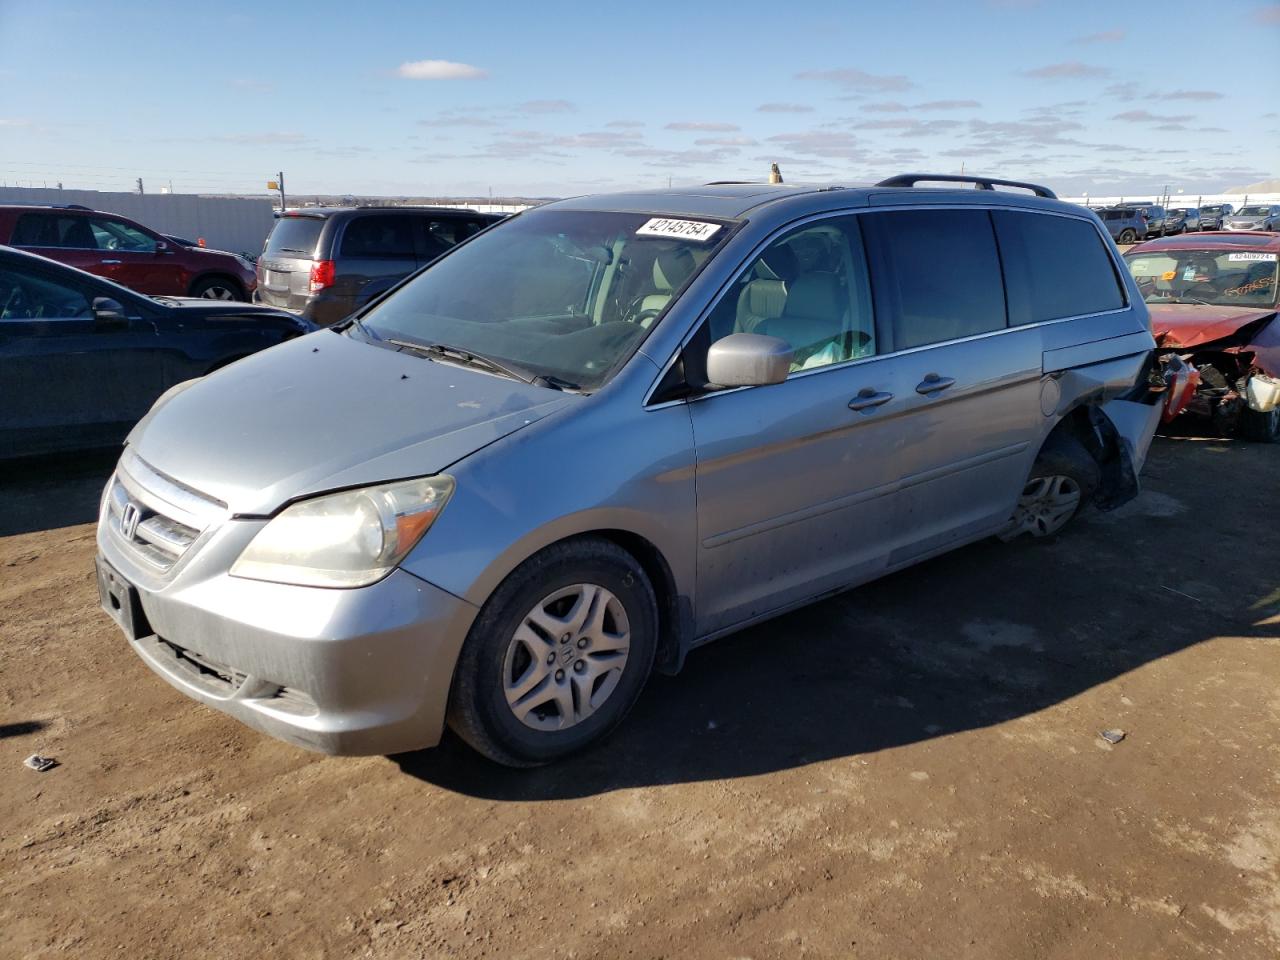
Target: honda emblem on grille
(129, 520)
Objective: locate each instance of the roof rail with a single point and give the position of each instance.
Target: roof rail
(731, 183)
(982, 183)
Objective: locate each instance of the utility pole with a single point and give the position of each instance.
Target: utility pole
(278, 184)
(139, 186)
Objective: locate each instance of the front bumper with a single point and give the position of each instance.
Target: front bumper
(363, 671)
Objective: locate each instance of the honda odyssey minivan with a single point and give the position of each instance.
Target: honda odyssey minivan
(575, 448)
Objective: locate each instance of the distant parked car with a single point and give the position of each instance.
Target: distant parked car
(325, 262)
(1182, 220)
(1156, 218)
(1213, 215)
(1255, 217)
(1125, 224)
(125, 251)
(82, 358)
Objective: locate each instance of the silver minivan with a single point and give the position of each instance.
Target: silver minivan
(612, 429)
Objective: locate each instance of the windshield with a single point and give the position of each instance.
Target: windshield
(1252, 212)
(294, 237)
(564, 294)
(1237, 278)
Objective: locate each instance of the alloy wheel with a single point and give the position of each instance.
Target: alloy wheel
(566, 657)
(218, 292)
(1046, 504)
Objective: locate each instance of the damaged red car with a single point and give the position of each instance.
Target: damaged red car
(1213, 304)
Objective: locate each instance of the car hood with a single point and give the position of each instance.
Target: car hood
(325, 412)
(1194, 324)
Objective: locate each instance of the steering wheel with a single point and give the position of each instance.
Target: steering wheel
(13, 303)
(637, 313)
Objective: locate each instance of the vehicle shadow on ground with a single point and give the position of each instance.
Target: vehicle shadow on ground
(982, 636)
(45, 493)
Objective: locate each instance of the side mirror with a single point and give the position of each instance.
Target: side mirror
(748, 360)
(108, 312)
(162, 246)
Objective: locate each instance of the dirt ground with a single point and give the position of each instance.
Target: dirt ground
(911, 770)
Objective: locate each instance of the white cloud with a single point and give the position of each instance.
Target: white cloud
(439, 70)
(1070, 70)
(784, 108)
(852, 78)
(547, 106)
(704, 126)
(270, 138)
(1106, 36)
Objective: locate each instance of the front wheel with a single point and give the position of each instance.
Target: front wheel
(1260, 427)
(557, 656)
(1063, 479)
(217, 288)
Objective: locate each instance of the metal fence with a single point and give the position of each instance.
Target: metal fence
(240, 226)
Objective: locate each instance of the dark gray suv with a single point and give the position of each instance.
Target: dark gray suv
(325, 262)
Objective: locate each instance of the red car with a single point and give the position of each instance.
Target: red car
(122, 250)
(1214, 302)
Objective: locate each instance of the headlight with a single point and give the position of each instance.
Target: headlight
(348, 539)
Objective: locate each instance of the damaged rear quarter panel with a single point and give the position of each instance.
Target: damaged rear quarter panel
(1102, 362)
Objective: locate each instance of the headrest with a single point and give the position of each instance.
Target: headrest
(778, 263)
(672, 268)
(814, 295)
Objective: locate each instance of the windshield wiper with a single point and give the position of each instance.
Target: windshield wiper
(456, 355)
(1190, 300)
(556, 383)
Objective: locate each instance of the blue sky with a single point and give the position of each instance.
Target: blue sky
(553, 98)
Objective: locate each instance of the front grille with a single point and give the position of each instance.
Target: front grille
(155, 516)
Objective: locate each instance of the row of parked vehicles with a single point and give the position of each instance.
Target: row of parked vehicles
(1131, 222)
(582, 442)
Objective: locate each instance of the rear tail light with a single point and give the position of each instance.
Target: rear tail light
(321, 275)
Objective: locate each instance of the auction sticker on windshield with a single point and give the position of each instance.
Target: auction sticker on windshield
(679, 229)
(1269, 257)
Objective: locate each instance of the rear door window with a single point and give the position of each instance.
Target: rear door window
(1054, 267)
(53, 230)
(387, 236)
(936, 275)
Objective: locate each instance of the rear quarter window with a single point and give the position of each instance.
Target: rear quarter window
(937, 274)
(1055, 267)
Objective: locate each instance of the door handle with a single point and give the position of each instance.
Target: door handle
(868, 399)
(110, 261)
(933, 384)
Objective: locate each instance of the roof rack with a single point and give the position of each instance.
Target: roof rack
(732, 183)
(982, 183)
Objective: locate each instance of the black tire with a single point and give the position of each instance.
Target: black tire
(1127, 236)
(213, 288)
(1259, 427)
(1062, 456)
(478, 710)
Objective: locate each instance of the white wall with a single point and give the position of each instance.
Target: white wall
(240, 226)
